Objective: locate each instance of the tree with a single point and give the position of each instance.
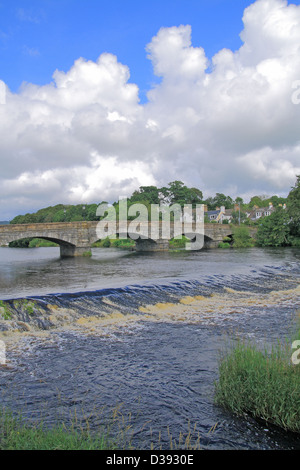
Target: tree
(178, 193)
(274, 230)
(146, 194)
(256, 201)
(293, 208)
(275, 200)
(237, 216)
(219, 200)
(241, 237)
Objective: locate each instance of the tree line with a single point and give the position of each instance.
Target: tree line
(281, 228)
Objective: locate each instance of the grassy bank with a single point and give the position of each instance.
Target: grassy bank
(126, 243)
(265, 385)
(16, 433)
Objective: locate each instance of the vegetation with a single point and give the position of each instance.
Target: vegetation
(178, 243)
(5, 312)
(265, 385)
(242, 238)
(59, 213)
(16, 435)
(224, 245)
(281, 228)
(32, 243)
(126, 243)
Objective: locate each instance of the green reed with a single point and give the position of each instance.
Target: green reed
(264, 384)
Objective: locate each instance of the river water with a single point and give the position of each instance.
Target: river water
(138, 335)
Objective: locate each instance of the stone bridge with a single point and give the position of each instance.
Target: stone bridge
(76, 238)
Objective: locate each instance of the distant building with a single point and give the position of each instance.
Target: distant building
(259, 212)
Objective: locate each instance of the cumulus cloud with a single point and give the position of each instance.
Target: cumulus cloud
(226, 125)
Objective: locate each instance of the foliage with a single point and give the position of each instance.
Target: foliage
(177, 243)
(18, 435)
(241, 237)
(5, 312)
(274, 230)
(280, 229)
(106, 243)
(293, 208)
(39, 242)
(219, 200)
(59, 213)
(23, 243)
(224, 245)
(146, 193)
(238, 216)
(263, 384)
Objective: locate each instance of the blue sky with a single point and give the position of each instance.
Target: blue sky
(39, 36)
(100, 97)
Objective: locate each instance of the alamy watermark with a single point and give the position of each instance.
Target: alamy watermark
(296, 93)
(2, 353)
(154, 222)
(2, 93)
(296, 355)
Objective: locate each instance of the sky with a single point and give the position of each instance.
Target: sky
(98, 98)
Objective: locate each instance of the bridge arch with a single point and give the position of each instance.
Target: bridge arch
(66, 247)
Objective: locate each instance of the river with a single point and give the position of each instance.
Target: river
(141, 333)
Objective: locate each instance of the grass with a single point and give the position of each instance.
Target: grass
(265, 385)
(116, 243)
(15, 434)
(39, 242)
(177, 243)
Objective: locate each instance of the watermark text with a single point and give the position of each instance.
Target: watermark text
(2, 93)
(153, 221)
(296, 93)
(296, 354)
(2, 353)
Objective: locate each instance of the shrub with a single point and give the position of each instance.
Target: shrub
(106, 243)
(224, 245)
(241, 237)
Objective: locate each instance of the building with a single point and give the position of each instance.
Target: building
(259, 212)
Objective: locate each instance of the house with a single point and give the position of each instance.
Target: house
(212, 215)
(219, 215)
(259, 212)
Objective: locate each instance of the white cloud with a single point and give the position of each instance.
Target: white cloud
(229, 125)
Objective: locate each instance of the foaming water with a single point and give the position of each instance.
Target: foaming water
(151, 345)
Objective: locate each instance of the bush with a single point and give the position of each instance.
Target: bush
(106, 243)
(242, 238)
(224, 245)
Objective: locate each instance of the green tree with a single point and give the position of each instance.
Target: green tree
(275, 200)
(221, 200)
(238, 216)
(293, 208)
(256, 201)
(178, 193)
(148, 194)
(241, 237)
(274, 230)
